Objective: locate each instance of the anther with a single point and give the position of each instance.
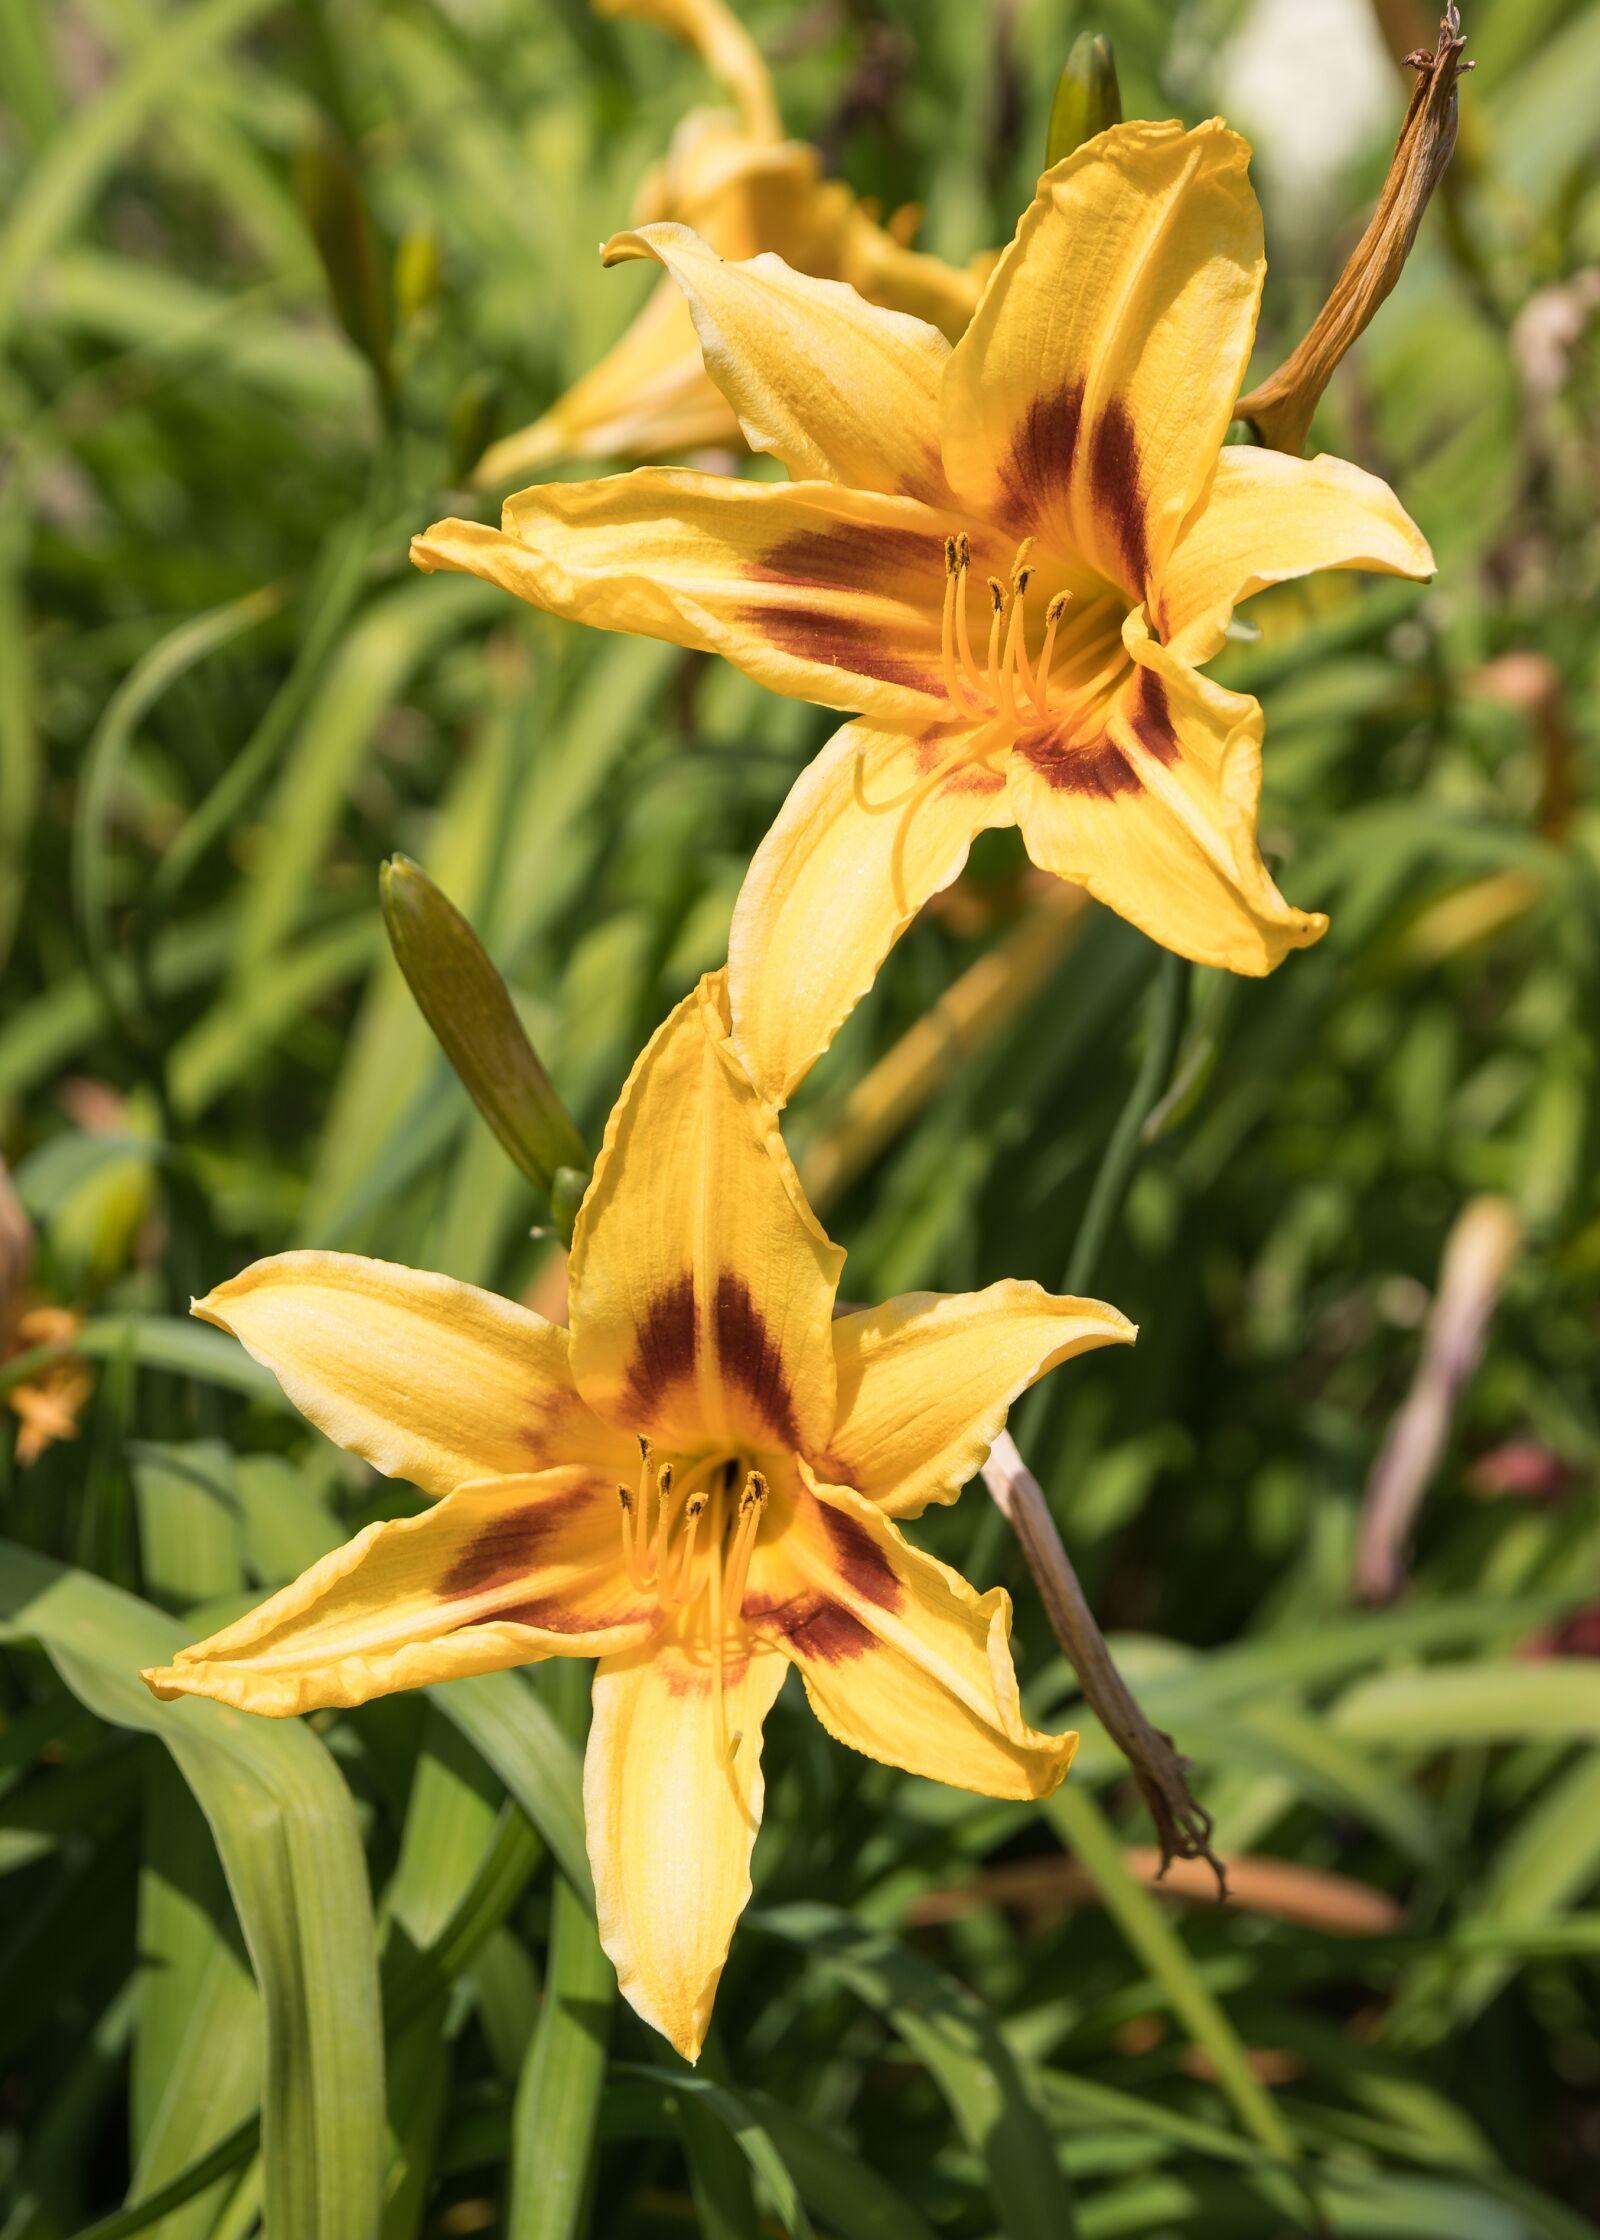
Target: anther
(963, 550)
(997, 595)
(950, 561)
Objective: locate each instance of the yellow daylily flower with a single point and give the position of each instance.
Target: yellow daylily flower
(744, 188)
(1009, 558)
(699, 1486)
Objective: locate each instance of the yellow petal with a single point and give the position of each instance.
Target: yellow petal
(671, 1818)
(1089, 398)
(925, 1382)
(885, 271)
(429, 1379)
(836, 388)
(831, 595)
(876, 824)
(723, 45)
(901, 1658)
(1152, 807)
(1267, 517)
(649, 395)
(503, 1573)
(701, 1284)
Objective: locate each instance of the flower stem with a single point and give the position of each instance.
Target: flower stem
(1169, 1003)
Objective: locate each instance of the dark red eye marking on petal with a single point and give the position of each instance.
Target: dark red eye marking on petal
(812, 1625)
(856, 557)
(750, 1357)
(1039, 468)
(686, 1679)
(862, 1563)
(1151, 718)
(848, 642)
(507, 1548)
(664, 1345)
(1114, 475)
(1096, 767)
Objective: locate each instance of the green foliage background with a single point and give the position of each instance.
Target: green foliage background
(343, 1976)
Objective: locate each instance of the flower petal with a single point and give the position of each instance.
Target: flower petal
(876, 824)
(1088, 400)
(650, 394)
(925, 1382)
(836, 388)
(671, 1820)
(429, 1379)
(502, 1573)
(1267, 517)
(827, 594)
(701, 1284)
(1152, 807)
(901, 1658)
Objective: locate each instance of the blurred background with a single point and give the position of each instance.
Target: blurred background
(274, 274)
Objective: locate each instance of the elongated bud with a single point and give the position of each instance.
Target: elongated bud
(336, 211)
(470, 1010)
(1088, 98)
(1280, 409)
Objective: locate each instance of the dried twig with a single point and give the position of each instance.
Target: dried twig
(1183, 1827)
(1280, 409)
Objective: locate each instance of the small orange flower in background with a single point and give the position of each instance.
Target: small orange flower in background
(49, 1403)
(744, 188)
(699, 1486)
(1010, 557)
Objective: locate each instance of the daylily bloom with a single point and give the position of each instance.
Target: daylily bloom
(50, 1402)
(1010, 558)
(744, 187)
(699, 1486)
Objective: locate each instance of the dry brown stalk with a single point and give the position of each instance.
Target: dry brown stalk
(1280, 409)
(1183, 1827)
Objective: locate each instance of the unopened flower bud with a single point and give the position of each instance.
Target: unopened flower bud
(1088, 98)
(470, 1010)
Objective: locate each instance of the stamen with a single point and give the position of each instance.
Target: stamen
(1020, 571)
(997, 600)
(954, 593)
(752, 1507)
(963, 635)
(681, 1589)
(1039, 684)
(658, 1540)
(718, 1646)
(630, 1542)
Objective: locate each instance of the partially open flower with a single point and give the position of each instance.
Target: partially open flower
(744, 188)
(700, 1486)
(49, 1402)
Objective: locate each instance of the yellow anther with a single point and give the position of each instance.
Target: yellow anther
(997, 595)
(1020, 571)
(963, 550)
(1057, 608)
(950, 561)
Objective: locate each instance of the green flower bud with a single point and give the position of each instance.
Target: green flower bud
(1088, 99)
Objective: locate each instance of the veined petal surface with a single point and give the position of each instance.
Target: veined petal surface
(925, 1382)
(877, 823)
(672, 1814)
(1089, 398)
(701, 1283)
(901, 1658)
(1152, 808)
(427, 1378)
(1267, 517)
(503, 1573)
(838, 389)
(827, 594)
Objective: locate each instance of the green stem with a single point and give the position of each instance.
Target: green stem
(1169, 1002)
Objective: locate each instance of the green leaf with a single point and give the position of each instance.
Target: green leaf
(286, 1832)
(558, 2092)
(953, 2035)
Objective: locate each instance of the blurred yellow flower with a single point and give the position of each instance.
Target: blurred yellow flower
(779, 1444)
(744, 188)
(1009, 557)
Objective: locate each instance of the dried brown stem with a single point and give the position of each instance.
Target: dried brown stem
(1280, 409)
(1183, 1827)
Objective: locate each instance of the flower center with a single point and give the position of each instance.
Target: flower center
(686, 1534)
(1010, 691)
